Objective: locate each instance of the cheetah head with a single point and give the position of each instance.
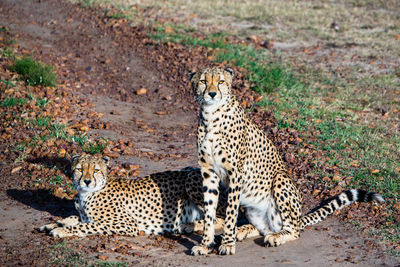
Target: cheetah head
(89, 173)
(212, 86)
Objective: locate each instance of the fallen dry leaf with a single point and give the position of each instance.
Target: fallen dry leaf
(62, 152)
(168, 30)
(112, 154)
(337, 178)
(258, 98)
(16, 169)
(102, 257)
(141, 91)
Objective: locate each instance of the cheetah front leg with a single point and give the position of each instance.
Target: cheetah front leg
(211, 193)
(228, 245)
(120, 226)
(69, 221)
(80, 229)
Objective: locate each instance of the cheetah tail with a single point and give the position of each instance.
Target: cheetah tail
(336, 203)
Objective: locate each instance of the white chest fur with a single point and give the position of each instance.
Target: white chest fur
(211, 149)
(211, 144)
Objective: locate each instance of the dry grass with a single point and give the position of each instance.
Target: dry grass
(361, 57)
(372, 23)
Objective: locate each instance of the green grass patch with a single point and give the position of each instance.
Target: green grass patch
(109, 264)
(262, 77)
(215, 40)
(6, 52)
(64, 255)
(94, 148)
(394, 252)
(58, 130)
(9, 42)
(7, 83)
(12, 102)
(55, 129)
(120, 15)
(56, 180)
(342, 138)
(42, 102)
(41, 121)
(33, 72)
(80, 139)
(60, 181)
(21, 146)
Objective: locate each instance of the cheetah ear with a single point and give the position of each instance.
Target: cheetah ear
(230, 71)
(74, 158)
(190, 75)
(106, 160)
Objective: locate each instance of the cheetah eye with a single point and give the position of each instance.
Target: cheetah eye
(96, 170)
(203, 81)
(221, 81)
(79, 169)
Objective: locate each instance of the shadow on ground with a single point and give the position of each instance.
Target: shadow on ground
(43, 200)
(60, 163)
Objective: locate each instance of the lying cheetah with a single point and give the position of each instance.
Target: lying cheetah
(161, 202)
(234, 151)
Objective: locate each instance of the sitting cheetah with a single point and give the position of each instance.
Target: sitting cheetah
(161, 202)
(234, 151)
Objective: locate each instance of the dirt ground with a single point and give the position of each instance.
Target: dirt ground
(106, 63)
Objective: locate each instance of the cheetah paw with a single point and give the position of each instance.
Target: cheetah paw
(226, 249)
(200, 250)
(60, 232)
(271, 241)
(47, 227)
(241, 236)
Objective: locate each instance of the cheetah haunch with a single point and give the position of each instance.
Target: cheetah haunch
(234, 151)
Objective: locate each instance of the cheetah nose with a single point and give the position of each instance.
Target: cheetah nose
(212, 94)
(87, 182)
